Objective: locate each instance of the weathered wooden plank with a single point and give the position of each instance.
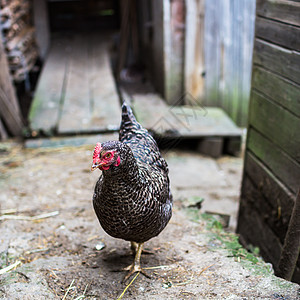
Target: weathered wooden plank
(279, 125)
(278, 33)
(280, 200)
(57, 142)
(280, 90)
(10, 111)
(277, 59)
(254, 230)
(160, 47)
(9, 114)
(247, 41)
(291, 247)
(75, 114)
(229, 31)
(91, 100)
(105, 104)
(213, 49)
(3, 133)
(194, 50)
(283, 10)
(210, 121)
(184, 121)
(176, 55)
(41, 24)
(268, 214)
(45, 108)
(280, 164)
(153, 120)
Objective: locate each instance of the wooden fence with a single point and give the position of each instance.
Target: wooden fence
(272, 161)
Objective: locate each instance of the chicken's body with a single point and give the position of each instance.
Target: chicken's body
(132, 198)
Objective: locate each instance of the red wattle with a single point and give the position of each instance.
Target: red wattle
(118, 161)
(104, 167)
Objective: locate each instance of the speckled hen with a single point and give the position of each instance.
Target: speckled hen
(132, 197)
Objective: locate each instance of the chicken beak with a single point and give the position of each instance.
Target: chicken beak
(95, 166)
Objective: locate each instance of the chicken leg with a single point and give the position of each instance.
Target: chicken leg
(135, 266)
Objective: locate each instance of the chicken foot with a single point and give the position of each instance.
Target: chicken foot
(135, 266)
(134, 247)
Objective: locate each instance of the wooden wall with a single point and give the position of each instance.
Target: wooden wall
(272, 160)
(228, 43)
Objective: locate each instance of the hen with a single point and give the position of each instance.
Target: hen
(132, 197)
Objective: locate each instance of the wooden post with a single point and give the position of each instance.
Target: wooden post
(9, 107)
(41, 22)
(160, 45)
(177, 25)
(3, 133)
(194, 64)
(291, 247)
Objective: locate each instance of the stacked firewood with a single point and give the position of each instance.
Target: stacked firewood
(18, 37)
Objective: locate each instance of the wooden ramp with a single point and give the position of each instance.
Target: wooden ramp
(209, 127)
(76, 92)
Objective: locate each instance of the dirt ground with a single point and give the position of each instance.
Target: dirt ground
(49, 229)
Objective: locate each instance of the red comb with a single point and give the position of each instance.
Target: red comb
(97, 151)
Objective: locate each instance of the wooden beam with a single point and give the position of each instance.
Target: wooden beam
(175, 77)
(279, 125)
(256, 199)
(41, 24)
(278, 201)
(286, 11)
(279, 163)
(278, 33)
(282, 91)
(254, 230)
(57, 142)
(291, 247)
(10, 111)
(277, 59)
(194, 50)
(3, 133)
(159, 29)
(167, 49)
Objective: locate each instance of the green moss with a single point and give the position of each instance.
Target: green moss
(249, 259)
(211, 222)
(218, 239)
(193, 214)
(34, 109)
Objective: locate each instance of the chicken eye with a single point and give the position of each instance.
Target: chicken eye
(107, 155)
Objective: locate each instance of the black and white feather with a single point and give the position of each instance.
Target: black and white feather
(133, 200)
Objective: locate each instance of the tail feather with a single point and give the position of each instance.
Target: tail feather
(129, 121)
(141, 142)
(127, 114)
